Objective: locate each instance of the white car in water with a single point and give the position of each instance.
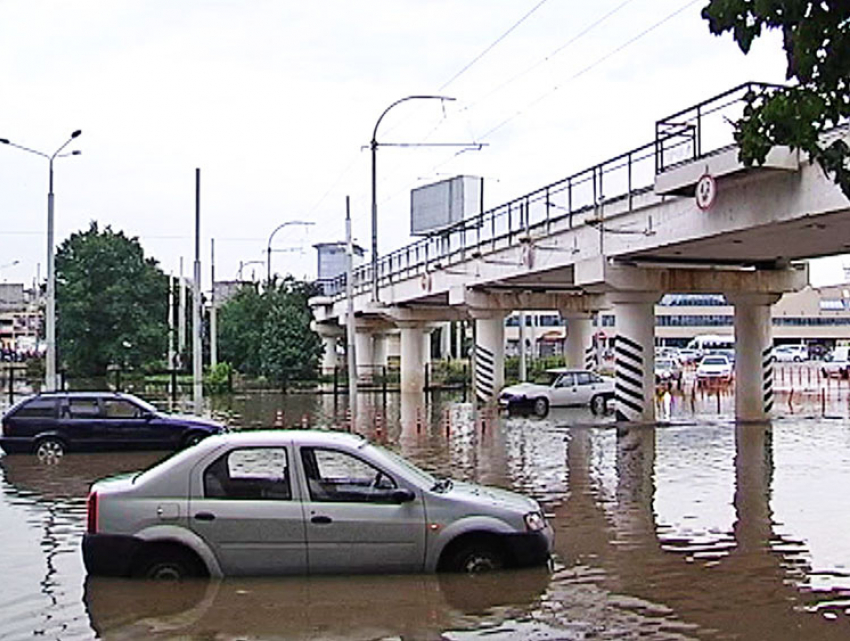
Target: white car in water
(564, 387)
(303, 502)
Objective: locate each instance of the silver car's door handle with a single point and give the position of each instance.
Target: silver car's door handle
(205, 516)
(321, 520)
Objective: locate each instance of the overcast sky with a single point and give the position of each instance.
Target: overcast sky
(274, 100)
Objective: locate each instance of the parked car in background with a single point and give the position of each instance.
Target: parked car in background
(51, 424)
(668, 370)
(688, 356)
(303, 502)
(714, 368)
(837, 363)
(791, 353)
(564, 387)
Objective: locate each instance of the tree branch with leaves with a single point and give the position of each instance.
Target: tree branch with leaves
(816, 40)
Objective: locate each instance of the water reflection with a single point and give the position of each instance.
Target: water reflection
(415, 607)
(698, 530)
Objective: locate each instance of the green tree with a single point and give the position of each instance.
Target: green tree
(816, 40)
(240, 329)
(269, 333)
(111, 303)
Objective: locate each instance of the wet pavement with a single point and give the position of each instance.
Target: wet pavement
(694, 529)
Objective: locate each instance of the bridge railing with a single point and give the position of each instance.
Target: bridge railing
(619, 178)
(685, 136)
(705, 128)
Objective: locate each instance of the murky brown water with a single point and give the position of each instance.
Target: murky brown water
(693, 529)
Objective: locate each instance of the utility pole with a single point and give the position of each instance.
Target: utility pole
(181, 319)
(213, 328)
(523, 365)
(170, 320)
(197, 365)
(349, 316)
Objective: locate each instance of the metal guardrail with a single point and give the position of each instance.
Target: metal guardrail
(685, 136)
(705, 128)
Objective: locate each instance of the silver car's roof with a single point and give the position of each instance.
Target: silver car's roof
(276, 437)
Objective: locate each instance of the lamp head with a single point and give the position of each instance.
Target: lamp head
(76, 152)
(5, 141)
(76, 133)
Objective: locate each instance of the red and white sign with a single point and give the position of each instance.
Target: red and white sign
(706, 192)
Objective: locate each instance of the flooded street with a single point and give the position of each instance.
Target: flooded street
(694, 529)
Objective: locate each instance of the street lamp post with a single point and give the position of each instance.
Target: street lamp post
(374, 147)
(243, 264)
(50, 330)
(269, 247)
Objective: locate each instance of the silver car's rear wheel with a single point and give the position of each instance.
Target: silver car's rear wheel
(169, 564)
(598, 404)
(50, 450)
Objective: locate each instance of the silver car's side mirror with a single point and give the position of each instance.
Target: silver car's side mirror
(402, 496)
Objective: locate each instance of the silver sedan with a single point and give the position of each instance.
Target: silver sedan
(303, 502)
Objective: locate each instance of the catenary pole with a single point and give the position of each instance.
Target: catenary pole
(197, 367)
(349, 316)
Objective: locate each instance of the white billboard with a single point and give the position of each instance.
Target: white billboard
(439, 205)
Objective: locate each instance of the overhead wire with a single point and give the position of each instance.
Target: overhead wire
(576, 75)
(459, 73)
(492, 45)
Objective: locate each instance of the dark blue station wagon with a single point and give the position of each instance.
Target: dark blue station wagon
(51, 424)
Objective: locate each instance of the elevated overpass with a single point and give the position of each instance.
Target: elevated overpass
(677, 215)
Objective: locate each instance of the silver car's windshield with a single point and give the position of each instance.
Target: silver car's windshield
(419, 474)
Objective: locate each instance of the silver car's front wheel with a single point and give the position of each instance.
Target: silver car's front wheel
(50, 450)
(475, 558)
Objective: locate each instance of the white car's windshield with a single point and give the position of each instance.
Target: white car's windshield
(714, 360)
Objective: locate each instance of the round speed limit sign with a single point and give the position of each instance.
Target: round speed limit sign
(706, 192)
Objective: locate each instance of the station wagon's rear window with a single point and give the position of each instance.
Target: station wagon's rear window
(37, 408)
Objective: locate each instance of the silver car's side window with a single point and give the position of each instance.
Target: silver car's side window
(249, 474)
(340, 477)
(566, 380)
(584, 378)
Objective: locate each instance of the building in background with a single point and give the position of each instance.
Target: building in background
(21, 320)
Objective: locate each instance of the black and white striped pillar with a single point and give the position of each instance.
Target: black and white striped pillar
(634, 357)
(489, 353)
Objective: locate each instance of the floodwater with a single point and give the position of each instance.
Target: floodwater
(693, 529)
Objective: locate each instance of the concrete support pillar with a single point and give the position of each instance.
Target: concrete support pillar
(364, 348)
(446, 341)
(379, 349)
(753, 355)
(634, 355)
(329, 356)
(489, 355)
(412, 357)
(578, 348)
(329, 335)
